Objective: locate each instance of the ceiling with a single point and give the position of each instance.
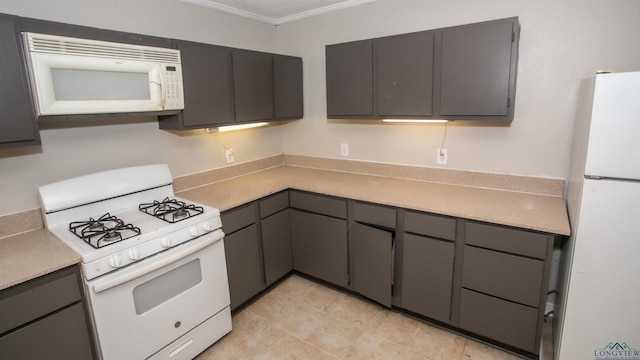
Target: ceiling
(277, 12)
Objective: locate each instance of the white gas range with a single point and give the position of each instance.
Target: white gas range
(153, 264)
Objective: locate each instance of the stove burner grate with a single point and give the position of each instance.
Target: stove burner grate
(171, 210)
(104, 231)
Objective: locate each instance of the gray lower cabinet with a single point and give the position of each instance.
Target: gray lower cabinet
(428, 265)
(45, 319)
(243, 253)
(319, 237)
(371, 250)
(18, 125)
(504, 284)
(276, 236)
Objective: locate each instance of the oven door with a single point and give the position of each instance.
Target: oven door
(144, 307)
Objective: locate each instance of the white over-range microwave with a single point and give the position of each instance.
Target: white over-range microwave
(72, 76)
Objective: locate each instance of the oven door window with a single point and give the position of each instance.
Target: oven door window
(162, 288)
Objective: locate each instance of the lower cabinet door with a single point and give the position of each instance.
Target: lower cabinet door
(504, 321)
(62, 335)
(276, 246)
(244, 265)
(427, 276)
(371, 262)
(319, 245)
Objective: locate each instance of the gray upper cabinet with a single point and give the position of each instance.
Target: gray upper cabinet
(253, 85)
(350, 79)
(459, 73)
(478, 70)
(208, 87)
(18, 125)
(224, 86)
(405, 75)
(287, 87)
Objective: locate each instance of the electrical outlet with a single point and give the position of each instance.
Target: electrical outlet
(344, 149)
(442, 156)
(229, 154)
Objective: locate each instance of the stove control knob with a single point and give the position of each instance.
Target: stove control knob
(134, 254)
(206, 226)
(114, 261)
(165, 242)
(193, 231)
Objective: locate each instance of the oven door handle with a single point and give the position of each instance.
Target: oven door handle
(155, 265)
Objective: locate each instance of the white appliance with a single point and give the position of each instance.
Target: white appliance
(79, 76)
(599, 284)
(153, 264)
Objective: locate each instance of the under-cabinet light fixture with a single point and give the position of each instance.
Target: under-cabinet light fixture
(241, 126)
(416, 120)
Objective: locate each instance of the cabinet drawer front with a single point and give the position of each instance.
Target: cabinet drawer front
(375, 215)
(47, 296)
(273, 204)
(430, 225)
(238, 218)
(509, 240)
(500, 320)
(62, 335)
(319, 204)
(507, 276)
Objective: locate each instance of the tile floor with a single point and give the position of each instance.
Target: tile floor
(300, 319)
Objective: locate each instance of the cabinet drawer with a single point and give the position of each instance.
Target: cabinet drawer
(375, 215)
(319, 204)
(37, 298)
(500, 320)
(62, 335)
(238, 218)
(441, 227)
(507, 276)
(273, 204)
(504, 239)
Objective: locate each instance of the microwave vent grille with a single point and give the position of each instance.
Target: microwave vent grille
(82, 47)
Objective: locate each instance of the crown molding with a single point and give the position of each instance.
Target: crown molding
(273, 21)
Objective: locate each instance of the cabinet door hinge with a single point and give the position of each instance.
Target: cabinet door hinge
(513, 36)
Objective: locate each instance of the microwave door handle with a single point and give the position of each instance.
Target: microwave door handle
(155, 265)
(156, 79)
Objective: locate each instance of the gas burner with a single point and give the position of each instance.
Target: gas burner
(171, 210)
(107, 230)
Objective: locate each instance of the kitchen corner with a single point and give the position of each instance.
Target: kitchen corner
(32, 251)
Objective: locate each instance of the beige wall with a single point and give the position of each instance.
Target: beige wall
(561, 42)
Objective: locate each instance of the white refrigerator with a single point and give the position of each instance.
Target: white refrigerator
(597, 316)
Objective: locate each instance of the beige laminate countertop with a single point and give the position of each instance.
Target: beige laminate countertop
(35, 253)
(523, 210)
(32, 254)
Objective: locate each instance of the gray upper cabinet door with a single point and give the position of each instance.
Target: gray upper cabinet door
(287, 87)
(350, 79)
(253, 85)
(478, 70)
(18, 125)
(208, 87)
(405, 75)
